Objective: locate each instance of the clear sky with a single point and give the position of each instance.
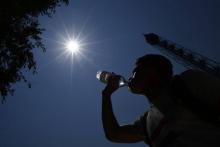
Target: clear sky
(63, 107)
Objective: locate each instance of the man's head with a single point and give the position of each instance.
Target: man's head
(152, 72)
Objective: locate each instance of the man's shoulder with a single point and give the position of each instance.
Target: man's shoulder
(198, 90)
(198, 82)
(197, 75)
(201, 83)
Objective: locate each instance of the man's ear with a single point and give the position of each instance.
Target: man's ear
(153, 77)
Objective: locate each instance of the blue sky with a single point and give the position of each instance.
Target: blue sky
(63, 107)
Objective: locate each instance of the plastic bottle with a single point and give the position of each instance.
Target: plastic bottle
(103, 76)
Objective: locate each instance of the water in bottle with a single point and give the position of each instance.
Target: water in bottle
(103, 76)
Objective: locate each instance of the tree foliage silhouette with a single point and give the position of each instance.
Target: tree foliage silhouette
(19, 35)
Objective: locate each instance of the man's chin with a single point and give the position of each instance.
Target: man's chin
(134, 90)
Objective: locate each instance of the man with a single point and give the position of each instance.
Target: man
(170, 121)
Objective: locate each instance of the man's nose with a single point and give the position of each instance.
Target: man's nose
(129, 81)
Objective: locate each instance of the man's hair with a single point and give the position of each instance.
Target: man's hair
(161, 64)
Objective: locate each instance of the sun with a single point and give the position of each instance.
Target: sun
(73, 46)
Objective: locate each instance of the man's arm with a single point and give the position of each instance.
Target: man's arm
(113, 131)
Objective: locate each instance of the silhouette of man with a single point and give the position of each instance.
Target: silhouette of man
(168, 122)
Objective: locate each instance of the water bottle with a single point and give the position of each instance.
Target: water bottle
(103, 76)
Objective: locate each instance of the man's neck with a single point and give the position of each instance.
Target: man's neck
(155, 94)
(164, 103)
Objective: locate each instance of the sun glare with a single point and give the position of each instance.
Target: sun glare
(72, 46)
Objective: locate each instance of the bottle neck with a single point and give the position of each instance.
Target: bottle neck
(123, 82)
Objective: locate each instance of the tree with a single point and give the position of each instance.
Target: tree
(20, 34)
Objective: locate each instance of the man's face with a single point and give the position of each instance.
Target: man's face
(144, 81)
(139, 80)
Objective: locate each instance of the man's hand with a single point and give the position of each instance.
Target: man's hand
(112, 85)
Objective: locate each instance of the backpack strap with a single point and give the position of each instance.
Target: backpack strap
(182, 95)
